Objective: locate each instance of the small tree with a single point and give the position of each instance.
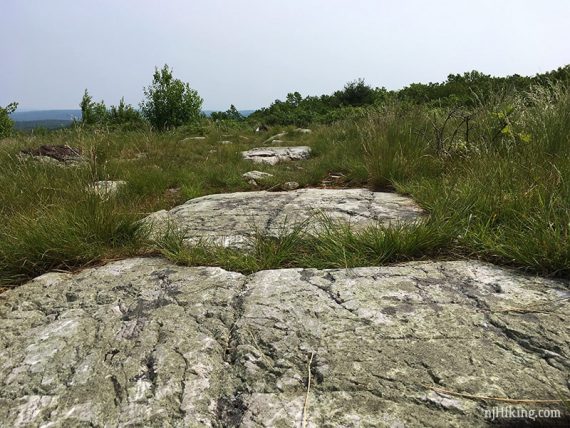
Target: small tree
(7, 124)
(231, 114)
(170, 102)
(124, 114)
(356, 94)
(92, 112)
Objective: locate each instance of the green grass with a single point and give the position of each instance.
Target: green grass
(334, 246)
(500, 192)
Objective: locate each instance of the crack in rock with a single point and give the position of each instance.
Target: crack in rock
(273, 213)
(145, 342)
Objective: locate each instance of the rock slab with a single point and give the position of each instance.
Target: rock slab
(275, 155)
(143, 342)
(231, 219)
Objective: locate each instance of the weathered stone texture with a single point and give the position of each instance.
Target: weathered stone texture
(275, 155)
(142, 342)
(230, 219)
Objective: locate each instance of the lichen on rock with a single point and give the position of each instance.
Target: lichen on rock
(145, 342)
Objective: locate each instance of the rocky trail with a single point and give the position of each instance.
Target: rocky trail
(144, 342)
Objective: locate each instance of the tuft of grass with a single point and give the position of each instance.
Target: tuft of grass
(317, 243)
(63, 238)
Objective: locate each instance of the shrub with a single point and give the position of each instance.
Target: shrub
(231, 114)
(92, 112)
(124, 114)
(7, 124)
(169, 101)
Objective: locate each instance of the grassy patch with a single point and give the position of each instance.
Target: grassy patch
(320, 243)
(496, 186)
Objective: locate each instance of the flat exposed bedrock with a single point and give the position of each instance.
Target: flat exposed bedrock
(143, 342)
(230, 219)
(275, 155)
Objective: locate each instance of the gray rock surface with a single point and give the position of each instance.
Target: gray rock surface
(106, 188)
(192, 139)
(255, 177)
(290, 185)
(142, 342)
(230, 219)
(274, 155)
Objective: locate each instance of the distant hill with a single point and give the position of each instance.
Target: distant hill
(28, 125)
(37, 115)
(54, 119)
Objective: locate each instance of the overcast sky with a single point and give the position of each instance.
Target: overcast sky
(251, 52)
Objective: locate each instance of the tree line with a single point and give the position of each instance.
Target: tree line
(458, 90)
(169, 102)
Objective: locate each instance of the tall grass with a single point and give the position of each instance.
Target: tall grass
(507, 191)
(494, 178)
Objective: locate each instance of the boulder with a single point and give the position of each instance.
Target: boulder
(290, 185)
(254, 177)
(274, 155)
(144, 342)
(303, 131)
(231, 219)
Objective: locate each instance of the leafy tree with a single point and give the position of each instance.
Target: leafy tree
(356, 93)
(7, 124)
(294, 99)
(92, 112)
(231, 114)
(169, 101)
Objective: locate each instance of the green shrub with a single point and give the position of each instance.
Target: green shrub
(170, 102)
(7, 124)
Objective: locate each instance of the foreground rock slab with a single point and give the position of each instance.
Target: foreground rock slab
(231, 219)
(143, 342)
(274, 155)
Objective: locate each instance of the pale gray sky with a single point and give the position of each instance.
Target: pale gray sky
(250, 52)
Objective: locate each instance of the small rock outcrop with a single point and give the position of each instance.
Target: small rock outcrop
(290, 185)
(192, 139)
(143, 342)
(274, 155)
(106, 188)
(62, 153)
(230, 219)
(255, 177)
